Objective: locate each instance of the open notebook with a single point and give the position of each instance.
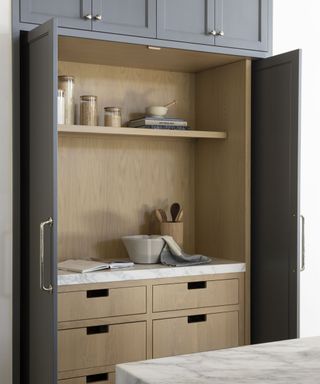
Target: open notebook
(84, 266)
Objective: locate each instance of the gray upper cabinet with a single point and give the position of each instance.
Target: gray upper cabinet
(242, 24)
(128, 17)
(236, 24)
(228, 25)
(186, 20)
(70, 13)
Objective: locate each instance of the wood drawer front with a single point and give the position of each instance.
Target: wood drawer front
(97, 303)
(107, 378)
(198, 294)
(101, 345)
(191, 334)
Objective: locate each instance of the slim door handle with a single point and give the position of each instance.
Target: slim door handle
(303, 250)
(43, 287)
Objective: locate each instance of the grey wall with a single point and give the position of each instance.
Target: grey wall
(5, 195)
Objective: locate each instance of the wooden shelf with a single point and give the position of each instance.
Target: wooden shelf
(98, 130)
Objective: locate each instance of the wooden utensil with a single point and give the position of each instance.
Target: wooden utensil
(175, 209)
(158, 215)
(180, 215)
(161, 215)
(170, 104)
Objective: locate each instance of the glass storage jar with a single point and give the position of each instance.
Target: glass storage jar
(112, 117)
(61, 106)
(88, 110)
(66, 83)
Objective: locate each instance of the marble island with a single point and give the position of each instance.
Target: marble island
(151, 271)
(286, 362)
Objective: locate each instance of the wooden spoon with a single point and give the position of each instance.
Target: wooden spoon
(170, 104)
(180, 215)
(175, 209)
(161, 215)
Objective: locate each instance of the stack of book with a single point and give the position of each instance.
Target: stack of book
(159, 123)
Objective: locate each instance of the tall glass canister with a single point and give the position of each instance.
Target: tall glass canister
(66, 83)
(88, 110)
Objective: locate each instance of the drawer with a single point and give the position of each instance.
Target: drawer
(196, 333)
(98, 378)
(96, 303)
(101, 345)
(195, 294)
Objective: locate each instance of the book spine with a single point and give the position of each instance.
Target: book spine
(170, 127)
(156, 122)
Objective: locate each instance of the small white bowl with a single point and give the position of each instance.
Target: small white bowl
(156, 110)
(144, 249)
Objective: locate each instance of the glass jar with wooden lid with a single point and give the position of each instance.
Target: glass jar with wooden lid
(112, 117)
(88, 110)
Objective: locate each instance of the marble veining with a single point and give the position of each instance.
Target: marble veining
(286, 362)
(154, 271)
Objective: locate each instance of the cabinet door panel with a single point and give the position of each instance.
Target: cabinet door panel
(41, 315)
(186, 20)
(70, 13)
(127, 17)
(243, 22)
(275, 198)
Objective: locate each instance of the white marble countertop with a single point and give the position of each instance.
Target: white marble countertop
(151, 271)
(286, 362)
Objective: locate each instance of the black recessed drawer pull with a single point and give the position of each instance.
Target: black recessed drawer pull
(97, 293)
(97, 329)
(197, 285)
(197, 318)
(96, 378)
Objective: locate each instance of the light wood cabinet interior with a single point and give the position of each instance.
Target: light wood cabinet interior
(110, 184)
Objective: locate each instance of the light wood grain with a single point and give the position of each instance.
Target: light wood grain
(109, 187)
(176, 336)
(223, 168)
(122, 343)
(234, 294)
(173, 229)
(125, 131)
(133, 89)
(138, 56)
(169, 297)
(82, 373)
(83, 379)
(119, 302)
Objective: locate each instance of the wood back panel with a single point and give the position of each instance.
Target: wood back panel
(108, 187)
(132, 89)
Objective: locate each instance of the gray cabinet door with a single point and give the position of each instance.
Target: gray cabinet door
(244, 24)
(41, 256)
(70, 13)
(275, 198)
(127, 17)
(186, 20)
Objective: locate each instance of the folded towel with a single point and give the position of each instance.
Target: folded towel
(173, 255)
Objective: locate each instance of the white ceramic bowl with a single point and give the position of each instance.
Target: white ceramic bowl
(144, 249)
(156, 110)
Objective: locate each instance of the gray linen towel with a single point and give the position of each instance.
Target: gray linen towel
(172, 255)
